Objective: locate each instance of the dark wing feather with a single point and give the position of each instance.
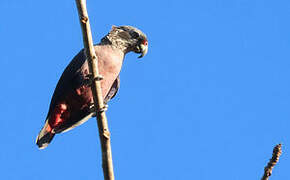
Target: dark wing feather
(70, 79)
(113, 91)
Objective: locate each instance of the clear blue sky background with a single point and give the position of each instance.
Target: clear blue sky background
(209, 101)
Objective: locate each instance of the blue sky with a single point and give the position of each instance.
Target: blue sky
(210, 99)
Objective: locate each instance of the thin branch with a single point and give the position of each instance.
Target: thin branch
(96, 91)
(277, 151)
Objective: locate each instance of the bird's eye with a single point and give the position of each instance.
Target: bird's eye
(135, 35)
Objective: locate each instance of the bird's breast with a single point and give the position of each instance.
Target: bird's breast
(109, 63)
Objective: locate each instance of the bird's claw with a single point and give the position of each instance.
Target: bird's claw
(104, 108)
(99, 78)
(89, 79)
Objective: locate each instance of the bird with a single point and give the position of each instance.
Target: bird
(72, 100)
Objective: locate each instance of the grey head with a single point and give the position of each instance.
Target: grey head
(127, 39)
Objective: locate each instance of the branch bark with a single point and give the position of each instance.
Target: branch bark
(277, 151)
(96, 91)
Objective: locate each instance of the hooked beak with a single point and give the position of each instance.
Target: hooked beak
(143, 50)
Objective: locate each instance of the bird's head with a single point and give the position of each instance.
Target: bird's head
(128, 38)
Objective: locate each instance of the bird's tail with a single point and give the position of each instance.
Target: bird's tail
(44, 137)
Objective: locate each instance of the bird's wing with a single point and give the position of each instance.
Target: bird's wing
(113, 91)
(70, 79)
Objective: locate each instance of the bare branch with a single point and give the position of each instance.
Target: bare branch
(277, 151)
(96, 91)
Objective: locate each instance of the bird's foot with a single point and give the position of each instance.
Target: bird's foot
(90, 79)
(104, 108)
(99, 78)
(93, 109)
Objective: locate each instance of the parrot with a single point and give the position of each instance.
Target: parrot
(72, 100)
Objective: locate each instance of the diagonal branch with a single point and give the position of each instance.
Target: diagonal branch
(96, 91)
(277, 151)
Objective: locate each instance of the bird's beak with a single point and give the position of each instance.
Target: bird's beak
(143, 50)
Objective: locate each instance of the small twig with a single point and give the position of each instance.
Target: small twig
(96, 91)
(277, 151)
